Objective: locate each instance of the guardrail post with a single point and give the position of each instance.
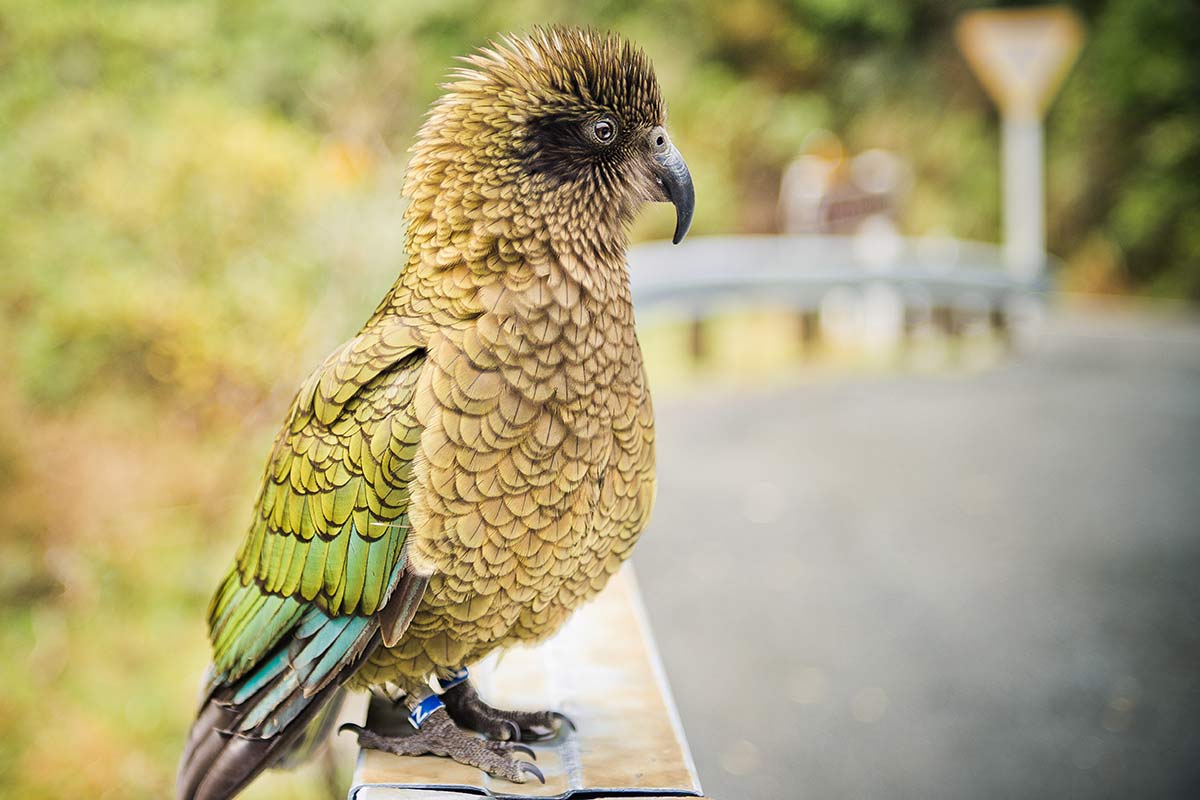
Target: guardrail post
(697, 341)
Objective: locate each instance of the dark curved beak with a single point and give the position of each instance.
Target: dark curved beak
(671, 172)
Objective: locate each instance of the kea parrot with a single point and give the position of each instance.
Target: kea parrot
(478, 461)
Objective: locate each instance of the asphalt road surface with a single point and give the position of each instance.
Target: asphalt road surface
(956, 586)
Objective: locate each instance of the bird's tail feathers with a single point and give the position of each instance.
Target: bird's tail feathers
(250, 724)
(314, 736)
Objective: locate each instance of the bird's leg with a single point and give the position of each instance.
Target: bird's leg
(467, 709)
(436, 734)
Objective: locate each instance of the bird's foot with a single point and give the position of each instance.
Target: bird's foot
(467, 709)
(439, 736)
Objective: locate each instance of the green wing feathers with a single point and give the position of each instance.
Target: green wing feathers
(332, 514)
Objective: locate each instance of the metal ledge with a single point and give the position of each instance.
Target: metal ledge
(603, 671)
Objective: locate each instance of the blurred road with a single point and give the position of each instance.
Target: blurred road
(964, 586)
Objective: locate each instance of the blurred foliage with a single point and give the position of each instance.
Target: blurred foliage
(198, 199)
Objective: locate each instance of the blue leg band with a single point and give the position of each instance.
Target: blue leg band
(424, 709)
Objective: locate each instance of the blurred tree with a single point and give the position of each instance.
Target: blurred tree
(186, 152)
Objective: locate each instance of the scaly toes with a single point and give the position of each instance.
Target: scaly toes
(439, 736)
(494, 727)
(468, 710)
(510, 747)
(537, 726)
(370, 740)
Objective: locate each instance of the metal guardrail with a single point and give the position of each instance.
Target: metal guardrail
(943, 282)
(799, 270)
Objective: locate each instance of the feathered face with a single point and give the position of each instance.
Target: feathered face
(564, 119)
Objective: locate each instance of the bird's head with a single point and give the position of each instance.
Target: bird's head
(557, 136)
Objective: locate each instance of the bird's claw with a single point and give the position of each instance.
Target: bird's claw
(546, 725)
(532, 770)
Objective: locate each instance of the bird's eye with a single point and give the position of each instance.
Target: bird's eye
(604, 130)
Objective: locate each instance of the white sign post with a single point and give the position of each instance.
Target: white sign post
(1021, 57)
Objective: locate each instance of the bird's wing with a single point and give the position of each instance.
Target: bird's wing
(321, 564)
(331, 517)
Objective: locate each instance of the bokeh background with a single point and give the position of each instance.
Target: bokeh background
(975, 578)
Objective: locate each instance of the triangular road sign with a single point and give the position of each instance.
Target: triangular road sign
(1021, 55)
